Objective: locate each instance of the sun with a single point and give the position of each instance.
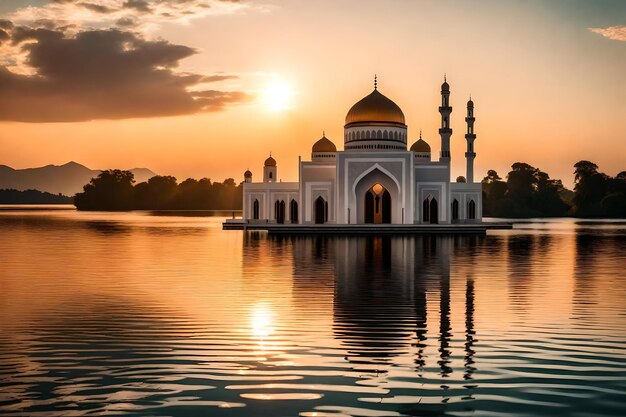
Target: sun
(278, 96)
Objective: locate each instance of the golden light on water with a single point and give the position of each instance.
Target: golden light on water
(261, 320)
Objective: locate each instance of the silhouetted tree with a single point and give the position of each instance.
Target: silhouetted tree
(590, 188)
(494, 190)
(528, 192)
(158, 193)
(111, 190)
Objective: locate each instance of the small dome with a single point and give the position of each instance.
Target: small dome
(324, 145)
(420, 146)
(375, 107)
(470, 103)
(247, 174)
(445, 86)
(270, 162)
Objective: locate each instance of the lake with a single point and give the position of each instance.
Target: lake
(167, 315)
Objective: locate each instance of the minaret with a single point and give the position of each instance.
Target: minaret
(469, 137)
(445, 131)
(247, 176)
(269, 170)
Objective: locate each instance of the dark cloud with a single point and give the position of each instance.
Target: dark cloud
(103, 74)
(125, 22)
(139, 5)
(98, 8)
(6, 24)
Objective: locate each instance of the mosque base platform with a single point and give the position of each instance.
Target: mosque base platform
(367, 229)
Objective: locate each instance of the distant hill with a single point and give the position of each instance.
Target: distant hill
(67, 179)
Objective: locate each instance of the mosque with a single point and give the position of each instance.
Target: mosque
(374, 179)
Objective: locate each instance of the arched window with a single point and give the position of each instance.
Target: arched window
(380, 135)
(255, 209)
(279, 211)
(434, 211)
(269, 175)
(455, 209)
(385, 135)
(395, 135)
(293, 211)
(471, 210)
(426, 211)
(368, 134)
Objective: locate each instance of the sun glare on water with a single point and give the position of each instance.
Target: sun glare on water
(278, 96)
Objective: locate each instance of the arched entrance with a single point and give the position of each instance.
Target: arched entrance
(430, 211)
(377, 205)
(293, 211)
(321, 210)
(279, 211)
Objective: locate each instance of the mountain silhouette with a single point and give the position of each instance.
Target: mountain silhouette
(67, 179)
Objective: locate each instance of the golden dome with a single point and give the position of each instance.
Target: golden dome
(420, 146)
(375, 108)
(324, 145)
(270, 162)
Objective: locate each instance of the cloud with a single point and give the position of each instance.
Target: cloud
(617, 33)
(103, 74)
(147, 14)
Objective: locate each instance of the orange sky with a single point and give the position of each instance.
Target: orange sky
(547, 90)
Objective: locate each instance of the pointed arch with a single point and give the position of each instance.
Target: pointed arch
(293, 211)
(471, 210)
(371, 169)
(279, 211)
(255, 209)
(455, 209)
(434, 211)
(321, 210)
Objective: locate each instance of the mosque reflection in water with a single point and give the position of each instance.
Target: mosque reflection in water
(383, 289)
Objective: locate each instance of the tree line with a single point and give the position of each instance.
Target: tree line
(11, 196)
(530, 192)
(116, 190)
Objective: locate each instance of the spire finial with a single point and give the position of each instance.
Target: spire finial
(375, 82)
(323, 133)
(270, 154)
(444, 77)
(420, 133)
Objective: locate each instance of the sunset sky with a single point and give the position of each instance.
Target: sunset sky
(197, 88)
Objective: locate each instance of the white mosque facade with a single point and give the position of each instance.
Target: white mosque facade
(375, 179)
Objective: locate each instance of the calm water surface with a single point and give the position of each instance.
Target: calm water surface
(139, 314)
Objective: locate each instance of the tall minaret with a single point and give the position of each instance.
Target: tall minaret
(445, 131)
(469, 137)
